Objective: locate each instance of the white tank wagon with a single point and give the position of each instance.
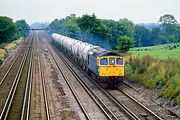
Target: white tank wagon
(101, 64)
(74, 47)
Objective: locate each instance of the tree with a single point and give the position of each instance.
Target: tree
(169, 25)
(124, 43)
(127, 27)
(7, 29)
(167, 19)
(71, 29)
(93, 25)
(118, 28)
(88, 22)
(22, 28)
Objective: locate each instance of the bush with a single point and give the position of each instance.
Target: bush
(163, 75)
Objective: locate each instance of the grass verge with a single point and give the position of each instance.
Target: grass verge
(6, 47)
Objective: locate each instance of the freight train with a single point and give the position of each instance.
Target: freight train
(102, 65)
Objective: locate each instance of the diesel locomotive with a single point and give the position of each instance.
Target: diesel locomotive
(102, 65)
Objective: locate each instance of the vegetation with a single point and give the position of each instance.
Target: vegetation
(7, 29)
(162, 75)
(168, 23)
(106, 33)
(22, 29)
(92, 25)
(10, 31)
(124, 43)
(90, 29)
(6, 47)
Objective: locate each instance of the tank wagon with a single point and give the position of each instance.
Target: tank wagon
(102, 65)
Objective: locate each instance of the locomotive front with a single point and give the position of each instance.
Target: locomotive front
(107, 66)
(110, 66)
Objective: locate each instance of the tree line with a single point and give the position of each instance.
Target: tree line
(117, 35)
(10, 30)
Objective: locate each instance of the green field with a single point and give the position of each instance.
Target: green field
(161, 51)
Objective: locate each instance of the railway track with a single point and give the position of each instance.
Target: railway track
(17, 85)
(36, 102)
(10, 60)
(140, 110)
(14, 63)
(12, 79)
(132, 111)
(108, 111)
(132, 93)
(9, 68)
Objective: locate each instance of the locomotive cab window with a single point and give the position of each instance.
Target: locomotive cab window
(111, 61)
(119, 61)
(103, 61)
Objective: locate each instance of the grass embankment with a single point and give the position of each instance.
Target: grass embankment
(166, 51)
(162, 75)
(6, 47)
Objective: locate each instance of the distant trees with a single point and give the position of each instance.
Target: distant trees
(166, 32)
(93, 30)
(168, 23)
(10, 31)
(177, 33)
(67, 26)
(110, 33)
(139, 35)
(155, 36)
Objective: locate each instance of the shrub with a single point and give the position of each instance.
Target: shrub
(163, 75)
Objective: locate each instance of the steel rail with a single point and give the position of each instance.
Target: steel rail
(137, 102)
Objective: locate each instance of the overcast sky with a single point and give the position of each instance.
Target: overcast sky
(138, 11)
